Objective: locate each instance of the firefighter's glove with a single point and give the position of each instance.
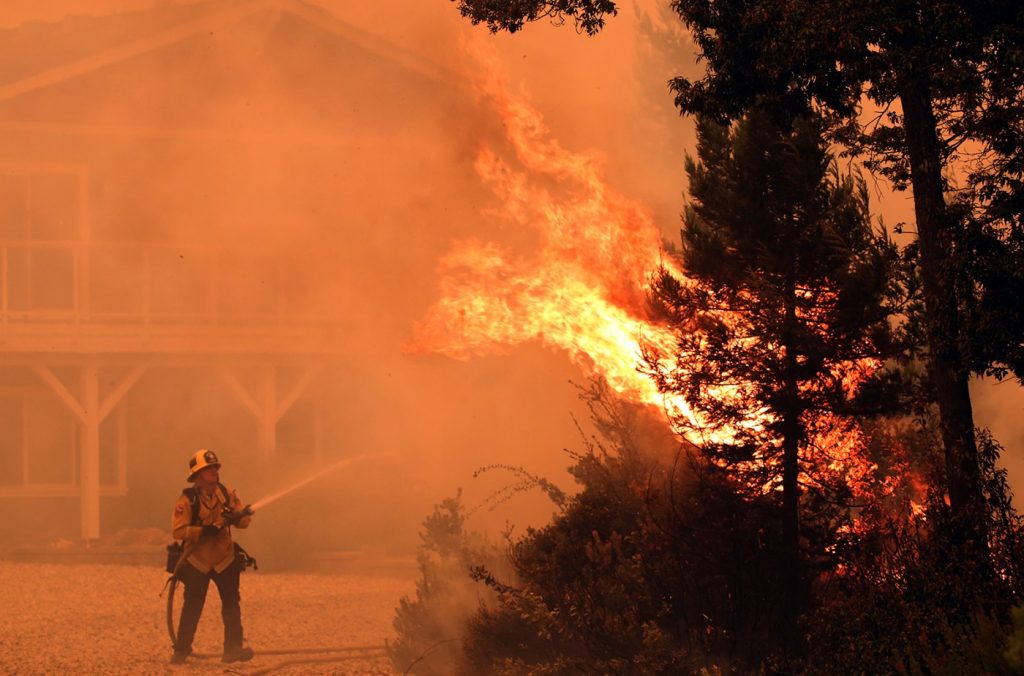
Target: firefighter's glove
(209, 531)
(234, 517)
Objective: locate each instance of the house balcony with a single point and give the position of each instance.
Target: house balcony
(84, 297)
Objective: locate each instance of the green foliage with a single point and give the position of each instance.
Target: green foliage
(974, 648)
(926, 643)
(662, 563)
(1014, 653)
(894, 601)
(791, 278)
(898, 613)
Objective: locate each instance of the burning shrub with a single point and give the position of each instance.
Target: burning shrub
(658, 565)
(663, 564)
(902, 600)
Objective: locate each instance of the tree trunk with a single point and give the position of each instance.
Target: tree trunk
(791, 574)
(948, 369)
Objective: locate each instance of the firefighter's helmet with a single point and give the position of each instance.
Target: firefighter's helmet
(201, 460)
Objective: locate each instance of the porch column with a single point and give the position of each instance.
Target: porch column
(90, 464)
(90, 412)
(264, 406)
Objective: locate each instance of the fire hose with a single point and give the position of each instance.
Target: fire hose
(347, 652)
(230, 517)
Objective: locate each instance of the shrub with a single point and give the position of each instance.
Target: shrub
(430, 626)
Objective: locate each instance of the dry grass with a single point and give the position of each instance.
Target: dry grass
(109, 619)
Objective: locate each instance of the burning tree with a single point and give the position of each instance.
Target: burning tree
(946, 77)
(785, 314)
(670, 562)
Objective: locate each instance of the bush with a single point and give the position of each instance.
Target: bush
(662, 564)
(430, 626)
(658, 565)
(904, 598)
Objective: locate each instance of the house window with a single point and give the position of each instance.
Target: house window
(38, 440)
(41, 222)
(41, 446)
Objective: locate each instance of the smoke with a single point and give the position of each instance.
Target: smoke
(301, 168)
(264, 133)
(998, 406)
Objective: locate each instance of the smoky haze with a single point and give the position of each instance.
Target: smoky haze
(305, 167)
(245, 166)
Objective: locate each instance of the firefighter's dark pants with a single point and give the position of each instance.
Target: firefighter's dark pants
(196, 584)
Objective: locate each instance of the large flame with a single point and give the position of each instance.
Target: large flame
(584, 288)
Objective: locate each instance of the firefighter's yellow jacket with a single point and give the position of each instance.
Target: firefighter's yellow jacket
(209, 552)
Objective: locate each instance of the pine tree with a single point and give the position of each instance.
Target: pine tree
(948, 78)
(787, 300)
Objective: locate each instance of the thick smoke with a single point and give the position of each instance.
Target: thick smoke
(355, 153)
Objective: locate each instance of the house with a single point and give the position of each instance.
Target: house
(203, 192)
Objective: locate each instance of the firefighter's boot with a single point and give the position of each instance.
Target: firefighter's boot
(238, 655)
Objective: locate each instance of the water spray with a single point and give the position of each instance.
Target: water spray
(264, 501)
(233, 517)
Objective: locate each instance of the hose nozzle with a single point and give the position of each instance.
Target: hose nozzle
(232, 517)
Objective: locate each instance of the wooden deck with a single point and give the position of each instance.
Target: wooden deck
(109, 311)
(86, 297)
(123, 343)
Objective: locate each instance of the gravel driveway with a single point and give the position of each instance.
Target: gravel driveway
(110, 619)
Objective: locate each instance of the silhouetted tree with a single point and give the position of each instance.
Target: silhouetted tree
(789, 296)
(511, 16)
(948, 77)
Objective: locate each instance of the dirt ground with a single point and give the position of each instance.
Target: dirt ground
(110, 619)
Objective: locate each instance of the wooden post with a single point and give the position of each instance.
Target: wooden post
(24, 442)
(5, 291)
(267, 419)
(266, 408)
(318, 428)
(90, 412)
(90, 466)
(82, 253)
(122, 449)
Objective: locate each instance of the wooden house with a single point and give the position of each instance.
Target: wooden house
(197, 188)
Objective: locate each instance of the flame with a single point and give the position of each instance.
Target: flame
(583, 290)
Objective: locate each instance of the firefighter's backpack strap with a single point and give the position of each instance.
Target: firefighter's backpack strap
(225, 494)
(192, 493)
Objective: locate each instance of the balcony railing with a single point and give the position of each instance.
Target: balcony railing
(137, 283)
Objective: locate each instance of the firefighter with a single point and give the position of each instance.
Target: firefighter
(203, 517)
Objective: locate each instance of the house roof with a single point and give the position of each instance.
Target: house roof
(39, 55)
